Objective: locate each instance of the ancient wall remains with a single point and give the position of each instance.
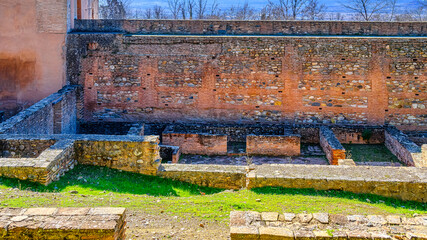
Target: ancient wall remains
(219, 27)
(404, 149)
(359, 135)
(331, 146)
(406, 183)
(55, 114)
(48, 166)
(354, 80)
(197, 143)
(303, 226)
(63, 223)
(217, 176)
(274, 145)
(45, 158)
(133, 154)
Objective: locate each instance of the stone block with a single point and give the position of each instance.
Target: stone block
(338, 219)
(376, 219)
(322, 235)
(107, 211)
(346, 162)
(304, 218)
(339, 235)
(269, 216)
(243, 233)
(393, 219)
(358, 235)
(11, 211)
(380, 236)
(289, 217)
(40, 211)
(237, 218)
(304, 235)
(273, 233)
(416, 236)
(72, 211)
(321, 217)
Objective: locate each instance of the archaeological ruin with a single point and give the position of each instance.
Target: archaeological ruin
(224, 104)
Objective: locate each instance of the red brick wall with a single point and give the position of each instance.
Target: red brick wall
(273, 145)
(191, 143)
(304, 80)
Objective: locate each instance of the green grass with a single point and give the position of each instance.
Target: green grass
(370, 153)
(98, 186)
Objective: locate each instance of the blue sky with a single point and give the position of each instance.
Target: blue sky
(333, 5)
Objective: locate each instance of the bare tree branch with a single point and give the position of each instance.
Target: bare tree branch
(367, 9)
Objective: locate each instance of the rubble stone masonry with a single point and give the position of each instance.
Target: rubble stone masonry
(355, 80)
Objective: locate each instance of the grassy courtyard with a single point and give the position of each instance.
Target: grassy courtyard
(370, 153)
(99, 186)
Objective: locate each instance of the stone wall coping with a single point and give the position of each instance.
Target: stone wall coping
(25, 114)
(331, 138)
(276, 27)
(190, 36)
(201, 168)
(274, 135)
(81, 137)
(403, 139)
(347, 173)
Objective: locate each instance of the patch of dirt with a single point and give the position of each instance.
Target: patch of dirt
(141, 225)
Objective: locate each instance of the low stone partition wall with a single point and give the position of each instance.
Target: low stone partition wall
(139, 154)
(403, 148)
(359, 135)
(49, 166)
(303, 226)
(55, 114)
(274, 145)
(24, 148)
(197, 143)
(406, 183)
(63, 223)
(331, 146)
(128, 153)
(170, 153)
(216, 176)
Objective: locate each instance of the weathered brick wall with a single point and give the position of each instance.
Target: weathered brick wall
(286, 145)
(212, 27)
(197, 143)
(359, 135)
(404, 149)
(302, 80)
(54, 114)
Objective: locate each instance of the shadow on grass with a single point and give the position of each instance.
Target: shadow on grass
(367, 198)
(103, 178)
